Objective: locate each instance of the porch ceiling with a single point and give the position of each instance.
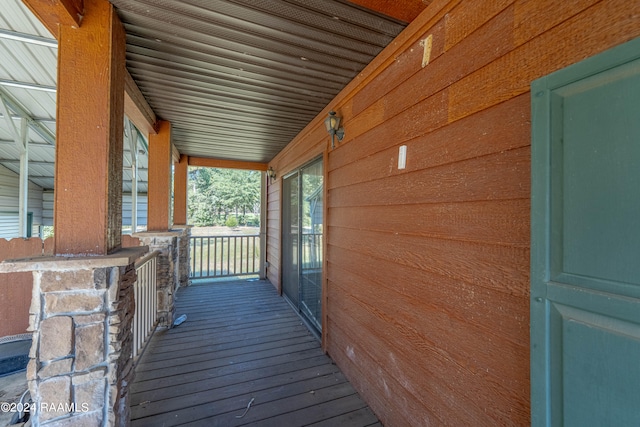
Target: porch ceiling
(238, 79)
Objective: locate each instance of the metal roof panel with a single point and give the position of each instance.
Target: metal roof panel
(238, 79)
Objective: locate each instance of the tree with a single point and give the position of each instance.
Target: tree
(216, 193)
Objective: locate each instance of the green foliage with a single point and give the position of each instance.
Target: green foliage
(250, 220)
(232, 221)
(215, 194)
(47, 231)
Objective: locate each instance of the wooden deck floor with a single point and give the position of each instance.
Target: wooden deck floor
(241, 343)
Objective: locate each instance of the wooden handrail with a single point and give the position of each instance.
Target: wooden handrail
(147, 257)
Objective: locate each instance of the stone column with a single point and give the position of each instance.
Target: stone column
(184, 267)
(173, 267)
(81, 354)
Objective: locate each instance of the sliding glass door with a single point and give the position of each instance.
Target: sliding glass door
(302, 241)
(291, 239)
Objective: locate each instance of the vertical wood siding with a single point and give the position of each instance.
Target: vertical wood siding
(427, 268)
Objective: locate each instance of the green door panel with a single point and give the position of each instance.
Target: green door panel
(600, 382)
(585, 242)
(600, 214)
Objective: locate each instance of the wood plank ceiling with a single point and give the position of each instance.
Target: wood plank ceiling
(238, 79)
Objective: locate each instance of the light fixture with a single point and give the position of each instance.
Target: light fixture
(333, 127)
(271, 173)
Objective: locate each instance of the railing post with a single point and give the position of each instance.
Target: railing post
(263, 226)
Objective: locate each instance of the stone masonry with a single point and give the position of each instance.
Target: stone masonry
(183, 256)
(172, 269)
(81, 354)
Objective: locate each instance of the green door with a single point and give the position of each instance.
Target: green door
(585, 243)
(585, 248)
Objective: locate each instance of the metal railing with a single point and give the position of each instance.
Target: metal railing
(224, 256)
(145, 316)
(311, 251)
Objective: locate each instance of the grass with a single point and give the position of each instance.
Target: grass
(224, 255)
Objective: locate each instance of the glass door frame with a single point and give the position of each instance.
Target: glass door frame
(314, 321)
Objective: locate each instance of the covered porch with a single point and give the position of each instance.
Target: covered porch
(432, 294)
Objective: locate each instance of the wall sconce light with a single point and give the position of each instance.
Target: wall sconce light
(333, 127)
(271, 173)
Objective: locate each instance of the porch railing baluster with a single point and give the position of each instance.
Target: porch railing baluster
(208, 254)
(219, 253)
(201, 253)
(229, 255)
(144, 291)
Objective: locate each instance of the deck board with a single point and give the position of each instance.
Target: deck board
(241, 341)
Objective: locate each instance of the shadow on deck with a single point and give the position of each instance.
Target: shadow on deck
(241, 343)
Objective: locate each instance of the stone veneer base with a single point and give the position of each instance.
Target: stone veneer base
(81, 353)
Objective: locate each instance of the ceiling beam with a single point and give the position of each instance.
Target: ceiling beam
(228, 164)
(175, 154)
(31, 143)
(53, 13)
(137, 108)
(4, 108)
(35, 119)
(28, 38)
(31, 163)
(21, 111)
(126, 181)
(406, 10)
(45, 163)
(25, 85)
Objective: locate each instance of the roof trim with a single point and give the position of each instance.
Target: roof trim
(405, 11)
(229, 164)
(137, 108)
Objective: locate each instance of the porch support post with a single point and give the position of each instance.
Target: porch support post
(22, 141)
(159, 236)
(88, 178)
(180, 190)
(23, 199)
(180, 178)
(263, 225)
(159, 189)
(133, 148)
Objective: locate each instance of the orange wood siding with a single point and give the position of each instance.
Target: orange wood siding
(427, 304)
(16, 288)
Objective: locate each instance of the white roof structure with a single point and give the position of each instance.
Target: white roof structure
(28, 70)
